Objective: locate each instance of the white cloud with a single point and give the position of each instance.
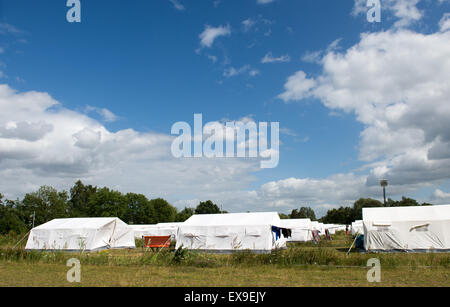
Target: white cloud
(106, 114)
(444, 23)
(210, 34)
(264, 1)
(336, 188)
(213, 58)
(248, 24)
(43, 143)
(297, 87)
(316, 56)
(440, 197)
(6, 28)
(87, 138)
(403, 106)
(246, 69)
(312, 57)
(29, 131)
(269, 58)
(177, 5)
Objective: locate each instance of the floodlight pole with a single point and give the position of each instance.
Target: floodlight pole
(384, 184)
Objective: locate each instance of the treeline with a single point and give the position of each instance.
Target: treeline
(90, 201)
(302, 213)
(347, 215)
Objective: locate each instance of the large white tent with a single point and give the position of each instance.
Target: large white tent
(75, 234)
(300, 229)
(424, 228)
(258, 232)
(161, 229)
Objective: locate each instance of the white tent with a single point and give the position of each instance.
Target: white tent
(332, 228)
(258, 232)
(144, 230)
(424, 228)
(161, 229)
(357, 227)
(341, 227)
(88, 234)
(301, 229)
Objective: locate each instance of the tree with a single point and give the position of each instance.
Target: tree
(79, 199)
(405, 202)
(46, 203)
(207, 207)
(10, 219)
(139, 210)
(164, 212)
(107, 203)
(342, 215)
(303, 213)
(184, 214)
(283, 216)
(364, 203)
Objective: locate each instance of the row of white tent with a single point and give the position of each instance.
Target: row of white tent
(385, 229)
(215, 232)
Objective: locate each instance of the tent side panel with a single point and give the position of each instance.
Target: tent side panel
(407, 236)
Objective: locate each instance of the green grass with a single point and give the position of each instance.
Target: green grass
(26, 274)
(303, 264)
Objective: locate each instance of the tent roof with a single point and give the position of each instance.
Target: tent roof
(143, 227)
(295, 222)
(168, 224)
(154, 226)
(420, 213)
(78, 223)
(232, 219)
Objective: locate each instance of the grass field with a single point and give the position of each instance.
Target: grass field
(300, 265)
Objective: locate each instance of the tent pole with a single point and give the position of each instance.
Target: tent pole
(352, 243)
(21, 239)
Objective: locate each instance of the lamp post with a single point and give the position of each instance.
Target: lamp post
(384, 184)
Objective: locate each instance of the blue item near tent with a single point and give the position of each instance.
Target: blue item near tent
(360, 242)
(277, 231)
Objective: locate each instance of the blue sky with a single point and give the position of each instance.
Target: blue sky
(140, 66)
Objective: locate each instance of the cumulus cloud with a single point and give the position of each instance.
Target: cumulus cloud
(394, 83)
(29, 131)
(41, 142)
(210, 34)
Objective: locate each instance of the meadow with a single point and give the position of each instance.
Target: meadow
(301, 264)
